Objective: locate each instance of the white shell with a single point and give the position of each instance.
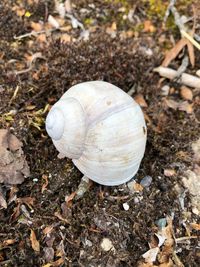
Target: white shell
(102, 129)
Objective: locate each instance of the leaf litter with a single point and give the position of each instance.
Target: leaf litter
(79, 49)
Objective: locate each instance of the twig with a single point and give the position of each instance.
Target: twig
(184, 238)
(34, 33)
(182, 67)
(185, 78)
(189, 37)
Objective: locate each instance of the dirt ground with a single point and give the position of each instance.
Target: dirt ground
(36, 70)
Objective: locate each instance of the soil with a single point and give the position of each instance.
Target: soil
(125, 62)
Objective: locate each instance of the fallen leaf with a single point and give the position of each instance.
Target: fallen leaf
(151, 255)
(173, 53)
(139, 98)
(148, 26)
(9, 242)
(47, 230)
(195, 226)
(34, 242)
(3, 202)
(13, 166)
(68, 199)
(37, 27)
(137, 187)
(53, 22)
(169, 172)
(29, 201)
(191, 53)
(185, 106)
(59, 216)
(46, 182)
(65, 38)
(186, 93)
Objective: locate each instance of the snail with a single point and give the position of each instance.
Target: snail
(102, 129)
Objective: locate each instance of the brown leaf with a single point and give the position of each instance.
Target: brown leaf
(169, 172)
(34, 243)
(60, 217)
(137, 187)
(139, 98)
(173, 53)
(46, 182)
(185, 106)
(13, 166)
(9, 242)
(69, 199)
(195, 226)
(48, 230)
(171, 103)
(148, 26)
(37, 27)
(16, 213)
(191, 53)
(186, 93)
(29, 201)
(3, 202)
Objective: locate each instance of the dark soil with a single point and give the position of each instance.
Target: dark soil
(100, 212)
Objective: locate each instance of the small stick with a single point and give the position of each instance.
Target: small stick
(189, 37)
(185, 78)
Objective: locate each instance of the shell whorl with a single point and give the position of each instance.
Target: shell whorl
(66, 125)
(55, 124)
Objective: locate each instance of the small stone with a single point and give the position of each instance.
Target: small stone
(35, 180)
(169, 172)
(198, 73)
(146, 181)
(107, 245)
(88, 243)
(126, 206)
(161, 223)
(195, 211)
(165, 90)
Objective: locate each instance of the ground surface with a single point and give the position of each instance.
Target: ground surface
(123, 50)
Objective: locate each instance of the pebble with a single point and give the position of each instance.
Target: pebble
(35, 180)
(198, 73)
(126, 206)
(161, 223)
(165, 90)
(107, 245)
(146, 181)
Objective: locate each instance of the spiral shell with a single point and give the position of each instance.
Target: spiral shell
(102, 129)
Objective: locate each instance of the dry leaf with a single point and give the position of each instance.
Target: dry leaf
(186, 93)
(37, 27)
(59, 216)
(139, 98)
(191, 53)
(65, 38)
(169, 172)
(13, 166)
(173, 53)
(34, 243)
(46, 182)
(137, 187)
(53, 22)
(148, 26)
(8, 242)
(47, 230)
(171, 103)
(195, 226)
(185, 106)
(3, 202)
(151, 255)
(68, 199)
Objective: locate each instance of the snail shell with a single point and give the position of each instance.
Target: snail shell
(102, 129)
